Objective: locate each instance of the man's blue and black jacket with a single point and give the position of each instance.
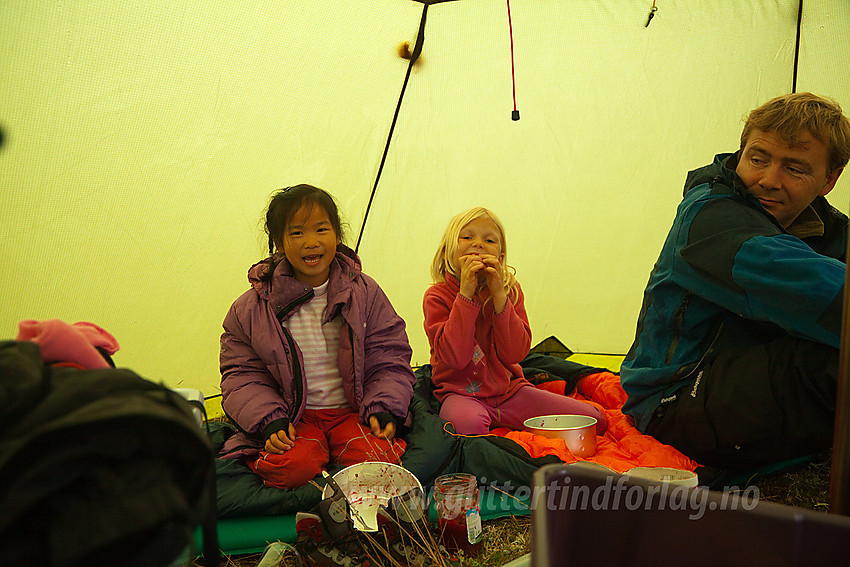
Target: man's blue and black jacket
(728, 275)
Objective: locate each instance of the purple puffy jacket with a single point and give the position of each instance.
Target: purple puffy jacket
(262, 368)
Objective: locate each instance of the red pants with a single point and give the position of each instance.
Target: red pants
(322, 436)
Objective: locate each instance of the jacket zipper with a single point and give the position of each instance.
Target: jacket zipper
(281, 315)
(709, 351)
(296, 371)
(353, 364)
(293, 349)
(678, 320)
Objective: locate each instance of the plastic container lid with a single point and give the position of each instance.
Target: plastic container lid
(676, 477)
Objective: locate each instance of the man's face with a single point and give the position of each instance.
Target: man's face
(785, 179)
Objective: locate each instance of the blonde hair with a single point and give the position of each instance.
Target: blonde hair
(444, 259)
(789, 116)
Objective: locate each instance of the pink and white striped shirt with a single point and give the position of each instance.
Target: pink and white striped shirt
(319, 345)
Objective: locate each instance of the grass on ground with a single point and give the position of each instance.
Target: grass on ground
(507, 539)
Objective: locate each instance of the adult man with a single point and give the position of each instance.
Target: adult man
(735, 358)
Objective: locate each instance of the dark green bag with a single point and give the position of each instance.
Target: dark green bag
(98, 467)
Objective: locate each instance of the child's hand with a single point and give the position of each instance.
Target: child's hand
(281, 441)
(470, 270)
(494, 280)
(387, 432)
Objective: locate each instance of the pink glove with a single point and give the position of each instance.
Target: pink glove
(75, 344)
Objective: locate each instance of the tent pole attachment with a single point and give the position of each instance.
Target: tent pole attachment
(417, 49)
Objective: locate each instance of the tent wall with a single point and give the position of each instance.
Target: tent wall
(143, 139)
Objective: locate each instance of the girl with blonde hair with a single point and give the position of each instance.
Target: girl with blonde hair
(479, 332)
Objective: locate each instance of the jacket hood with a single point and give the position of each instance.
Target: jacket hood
(345, 262)
(721, 177)
(721, 169)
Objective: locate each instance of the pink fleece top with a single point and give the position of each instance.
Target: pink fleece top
(475, 352)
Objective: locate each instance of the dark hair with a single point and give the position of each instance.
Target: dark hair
(286, 202)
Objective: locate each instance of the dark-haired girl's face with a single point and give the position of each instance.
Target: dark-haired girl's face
(309, 243)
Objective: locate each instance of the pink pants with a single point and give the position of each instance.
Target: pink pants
(470, 416)
(322, 436)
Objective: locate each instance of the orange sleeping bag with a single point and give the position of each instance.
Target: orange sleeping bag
(621, 448)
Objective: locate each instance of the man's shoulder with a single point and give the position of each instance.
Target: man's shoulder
(833, 241)
(716, 176)
(714, 196)
(826, 210)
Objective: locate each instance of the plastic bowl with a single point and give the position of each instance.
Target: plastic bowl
(672, 476)
(368, 485)
(577, 431)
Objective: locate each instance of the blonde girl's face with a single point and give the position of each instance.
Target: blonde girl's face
(479, 237)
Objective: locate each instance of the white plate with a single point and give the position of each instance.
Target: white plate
(370, 484)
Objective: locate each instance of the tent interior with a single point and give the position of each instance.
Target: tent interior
(141, 142)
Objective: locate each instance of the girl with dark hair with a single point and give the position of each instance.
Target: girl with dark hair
(315, 362)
